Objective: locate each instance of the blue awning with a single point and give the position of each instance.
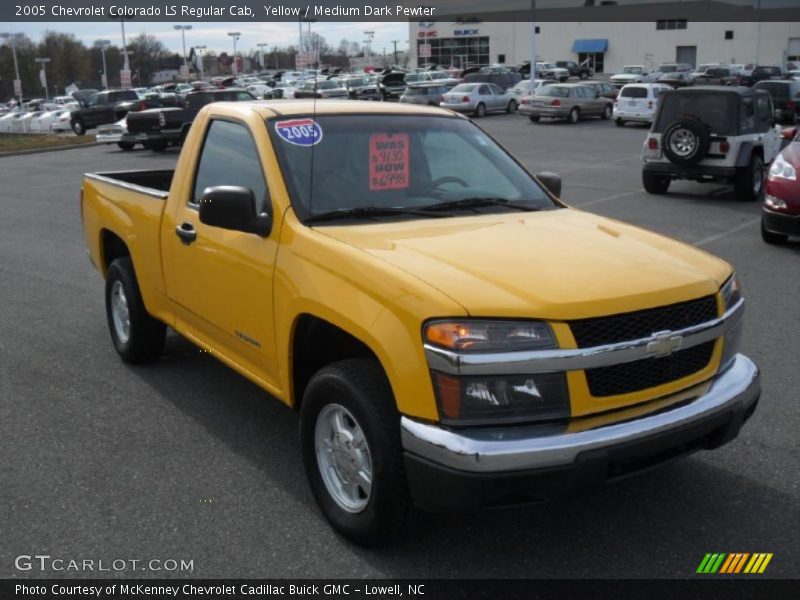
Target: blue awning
(589, 46)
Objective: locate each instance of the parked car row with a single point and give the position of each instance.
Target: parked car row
(41, 121)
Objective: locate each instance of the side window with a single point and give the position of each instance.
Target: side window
(747, 121)
(484, 90)
(496, 90)
(764, 112)
(230, 157)
(582, 91)
(94, 100)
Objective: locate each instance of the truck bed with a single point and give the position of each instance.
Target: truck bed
(153, 183)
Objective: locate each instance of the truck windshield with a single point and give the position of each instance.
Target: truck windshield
(345, 162)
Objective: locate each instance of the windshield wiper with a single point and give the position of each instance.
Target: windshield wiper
(367, 212)
(478, 203)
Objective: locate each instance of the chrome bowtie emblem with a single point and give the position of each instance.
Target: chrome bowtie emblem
(664, 344)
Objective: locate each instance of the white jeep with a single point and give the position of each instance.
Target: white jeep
(712, 134)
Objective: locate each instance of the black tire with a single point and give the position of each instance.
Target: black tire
(126, 146)
(689, 133)
(619, 122)
(748, 183)
(157, 146)
(361, 387)
(78, 127)
(145, 339)
(574, 116)
(772, 238)
(512, 107)
(655, 184)
(607, 112)
(534, 118)
(583, 75)
(480, 110)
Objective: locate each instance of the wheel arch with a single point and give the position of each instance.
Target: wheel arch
(112, 247)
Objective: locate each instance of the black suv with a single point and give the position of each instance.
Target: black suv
(107, 107)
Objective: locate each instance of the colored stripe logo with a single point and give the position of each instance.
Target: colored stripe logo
(734, 563)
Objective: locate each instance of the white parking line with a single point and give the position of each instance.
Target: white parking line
(712, 238)
(606, 198)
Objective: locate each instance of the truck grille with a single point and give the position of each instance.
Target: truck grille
(643, 323)
(649, 372)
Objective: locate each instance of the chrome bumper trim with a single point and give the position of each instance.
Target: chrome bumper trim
(560, 359)
(531, 447)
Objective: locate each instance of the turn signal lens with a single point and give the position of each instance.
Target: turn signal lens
(731, 292)
(489, 336)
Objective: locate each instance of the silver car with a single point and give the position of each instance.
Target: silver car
(569, 101)
(479, 99)
(523, 88)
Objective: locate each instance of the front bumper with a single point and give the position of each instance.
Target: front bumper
(783, 223)
(481, 467)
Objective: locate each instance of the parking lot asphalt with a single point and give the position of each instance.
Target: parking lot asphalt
(185, 459)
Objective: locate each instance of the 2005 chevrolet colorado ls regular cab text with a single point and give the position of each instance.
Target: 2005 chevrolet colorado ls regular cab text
(452, 334)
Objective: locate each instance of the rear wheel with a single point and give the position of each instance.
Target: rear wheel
(137, 337)
(655, 184)
(606, 112)
(772, 238)
(584, 75)
(353, 458)
(158, 146)
(480, 111)
(574, 115)
(749, 181)
(127, 146)
(512, 107)
(619, 122)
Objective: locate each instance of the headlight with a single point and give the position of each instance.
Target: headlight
(478, 335)
(781, 169)
(501, 399)
(731, 292)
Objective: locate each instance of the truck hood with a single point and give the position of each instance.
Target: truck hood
(555, 264)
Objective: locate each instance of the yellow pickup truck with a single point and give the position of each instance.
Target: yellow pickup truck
(451, 333)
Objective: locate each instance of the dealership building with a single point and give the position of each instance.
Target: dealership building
(462, 41)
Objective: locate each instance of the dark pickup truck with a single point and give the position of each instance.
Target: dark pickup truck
(106, 107)
(761, 74)
(157, 129)
(575, 70)
(717, 76)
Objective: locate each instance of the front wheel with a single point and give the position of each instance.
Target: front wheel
(655, 184)
(353, 458)
(749, 181)
(126, 146)
(137, 337)
(584, 75)
(158, 146)
(78, 128)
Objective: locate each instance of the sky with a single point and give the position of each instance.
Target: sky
(214, 35)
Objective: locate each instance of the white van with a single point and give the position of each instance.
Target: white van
(637, 102)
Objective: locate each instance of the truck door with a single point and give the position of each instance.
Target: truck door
(222, 279)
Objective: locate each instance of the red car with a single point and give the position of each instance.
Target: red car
(780, 215)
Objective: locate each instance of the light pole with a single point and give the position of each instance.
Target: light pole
(183, 29)
(103, 45)
(17, 81)
(202, 49)
(368, 42)
(261, 54)
(126, 64)
(394, 43)
(43, 62)
(533, 43)
(235, 35)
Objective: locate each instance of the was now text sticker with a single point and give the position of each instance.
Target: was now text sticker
(388, 161)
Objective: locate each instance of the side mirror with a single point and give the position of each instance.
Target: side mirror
(789, 133)
(551, 182)
(233, 207)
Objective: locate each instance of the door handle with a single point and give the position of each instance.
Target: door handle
(186, 232)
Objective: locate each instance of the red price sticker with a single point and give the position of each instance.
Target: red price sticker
(388, 161)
